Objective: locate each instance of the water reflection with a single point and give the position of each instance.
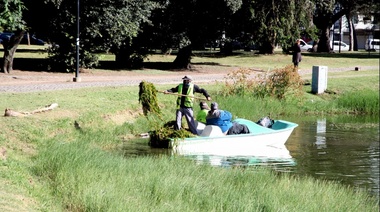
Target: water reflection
(277, 157)
(321, 132)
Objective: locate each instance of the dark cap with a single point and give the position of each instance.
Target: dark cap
(204, 105)
(187, 77)
(214, 106)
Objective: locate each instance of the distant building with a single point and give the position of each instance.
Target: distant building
(364, 29)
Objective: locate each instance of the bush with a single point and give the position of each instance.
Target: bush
(278, 83)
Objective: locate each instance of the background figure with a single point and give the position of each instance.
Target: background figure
(185, 102)
(201, 116)
(297, 57)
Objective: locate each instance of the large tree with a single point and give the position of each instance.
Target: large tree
(105, 25)
(275, 22)
(11, 21)
(187, 25)
(324, 17)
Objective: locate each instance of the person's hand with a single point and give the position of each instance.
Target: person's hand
(209, 98)
(166, 92)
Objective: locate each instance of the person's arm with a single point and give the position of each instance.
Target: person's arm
(197, 89)
(172, 90)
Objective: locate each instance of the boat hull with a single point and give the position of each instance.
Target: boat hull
(255, 143)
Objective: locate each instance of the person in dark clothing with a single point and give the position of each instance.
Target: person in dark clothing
(185, 104)
(297, 57)
(222, 119)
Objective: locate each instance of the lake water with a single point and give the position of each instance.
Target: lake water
(342, 149)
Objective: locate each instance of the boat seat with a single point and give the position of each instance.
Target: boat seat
(212, 131)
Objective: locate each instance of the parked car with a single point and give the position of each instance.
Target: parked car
(5, 36)
(305, 46)
(33, 40)
(343, 46)
(372, 45)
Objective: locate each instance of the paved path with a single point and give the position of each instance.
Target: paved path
(21, 81)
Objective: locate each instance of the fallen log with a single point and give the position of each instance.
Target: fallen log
(12, 113)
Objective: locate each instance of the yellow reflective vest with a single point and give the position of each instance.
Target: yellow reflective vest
(189, 98)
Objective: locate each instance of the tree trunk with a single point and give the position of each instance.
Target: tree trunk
(351, 32)
(267, 48)
(183, 58)
(354, 37)
(10, 48)
(123, 56)
(324, 40)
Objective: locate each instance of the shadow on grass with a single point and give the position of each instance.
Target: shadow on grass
(38, 64)
(354, 55)
(32, 64)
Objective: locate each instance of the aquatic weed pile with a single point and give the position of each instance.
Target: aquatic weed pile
(148, 98)
(160, 137)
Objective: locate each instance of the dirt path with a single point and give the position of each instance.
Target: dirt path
(27, 81)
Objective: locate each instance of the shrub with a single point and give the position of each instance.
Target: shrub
(238, 83)
(284, 82)
(278, 83)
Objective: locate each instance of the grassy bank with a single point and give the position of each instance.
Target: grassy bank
(72, 158)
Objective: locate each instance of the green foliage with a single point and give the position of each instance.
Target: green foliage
(11, 15)
(277, 24)
(104, 26)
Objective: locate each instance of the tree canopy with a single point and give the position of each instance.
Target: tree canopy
(131, 28)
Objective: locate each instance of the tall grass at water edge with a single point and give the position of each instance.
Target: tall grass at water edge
(84, 178)
(364, 101)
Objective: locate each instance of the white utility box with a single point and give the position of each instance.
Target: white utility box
(319, 79)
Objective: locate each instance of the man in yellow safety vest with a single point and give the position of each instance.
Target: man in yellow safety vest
(185, 103)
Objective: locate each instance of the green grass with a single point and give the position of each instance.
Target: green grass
(362, 101)
(89, 179)
(52, 166)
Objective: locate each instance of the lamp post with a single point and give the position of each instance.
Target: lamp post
(77, 78)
